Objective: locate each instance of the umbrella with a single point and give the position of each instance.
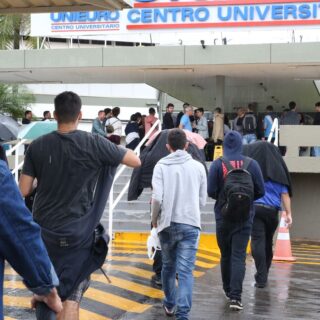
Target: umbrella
(193, 137)
(8, 128)
(37, 129)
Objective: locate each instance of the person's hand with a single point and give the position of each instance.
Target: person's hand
(52, 300)
(288, 220)
(154, 224)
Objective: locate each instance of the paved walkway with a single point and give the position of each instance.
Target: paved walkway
(293, 291)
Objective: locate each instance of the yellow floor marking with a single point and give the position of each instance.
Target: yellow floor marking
(208, 257)
(131, 259)
(144, 252)
(116, 301)
(9, 318)
(86, 315)
(306, 250)
(129, 246)
(206, 265)
(307, 262)
(14, 301)
(13, 284)
(10, 272)
(130, 286)
(302, 255)
(141, 273)
(307, 258)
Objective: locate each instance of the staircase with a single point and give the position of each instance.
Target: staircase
(134, 216)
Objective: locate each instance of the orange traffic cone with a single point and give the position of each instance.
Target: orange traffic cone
(283, 246)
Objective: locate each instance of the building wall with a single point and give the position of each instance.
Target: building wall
(305, 206)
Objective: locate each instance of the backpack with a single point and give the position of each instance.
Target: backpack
(238, 192)
(249, 123)
(110, 127)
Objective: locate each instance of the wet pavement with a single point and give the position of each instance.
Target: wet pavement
(293, 291)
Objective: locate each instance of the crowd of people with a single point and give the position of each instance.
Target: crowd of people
(57, 247)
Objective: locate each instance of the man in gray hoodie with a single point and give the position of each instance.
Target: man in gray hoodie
(179, 189)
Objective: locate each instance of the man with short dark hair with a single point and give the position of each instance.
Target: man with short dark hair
(179, 189)
(150, 121)
(98, 124)
(75, 171)
(202, 124)
(268, 122)
(27, 117)
(167, 118)
(249, 125)
(46, 116)
(291, 117)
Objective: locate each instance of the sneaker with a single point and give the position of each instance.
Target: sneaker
(260, 285)
(169, 312)
(235, 305)
(156, 279)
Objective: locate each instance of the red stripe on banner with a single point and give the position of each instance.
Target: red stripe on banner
(213, 3)
(222, 24)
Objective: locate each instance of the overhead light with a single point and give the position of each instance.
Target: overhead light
(168, 69)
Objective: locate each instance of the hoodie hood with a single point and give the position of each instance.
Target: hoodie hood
(177, 157)
(232, 144)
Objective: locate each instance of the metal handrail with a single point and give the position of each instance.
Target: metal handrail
(17, 165)
(274, 129)
(113, 203)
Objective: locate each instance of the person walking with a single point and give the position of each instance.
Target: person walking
(75, 171)
(235, 182)
(185, 122)
(202, 124)
(114, 127)
(168, 122)
(278, 190)
(97, 125)
(249, 125)
(179, 189)
(150, 121)
(316, 122)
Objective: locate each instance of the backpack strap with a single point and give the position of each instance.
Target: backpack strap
(227, 163)
(246, 163)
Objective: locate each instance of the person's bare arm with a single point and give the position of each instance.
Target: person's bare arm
(180, 126)
(155, 210)
(26, 184)
(130, 159)
(286, 201)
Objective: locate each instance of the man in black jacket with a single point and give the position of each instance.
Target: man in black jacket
(167, 118)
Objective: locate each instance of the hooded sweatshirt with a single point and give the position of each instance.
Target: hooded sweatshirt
(180, 186)
(232, 151)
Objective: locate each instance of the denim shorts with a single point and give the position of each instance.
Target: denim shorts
(78, 293)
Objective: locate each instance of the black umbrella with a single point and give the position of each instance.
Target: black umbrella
(8, 128)
(270, 161)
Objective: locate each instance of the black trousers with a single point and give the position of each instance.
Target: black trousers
(265, 224)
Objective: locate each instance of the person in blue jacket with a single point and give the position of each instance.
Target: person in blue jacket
(21, 244)
(233, 237)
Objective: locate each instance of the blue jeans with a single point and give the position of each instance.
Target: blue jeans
(179, 244)
(233, 239)
(249, 138)
(316, 151)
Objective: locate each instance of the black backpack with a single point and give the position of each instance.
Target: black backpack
(249, 123)
(238, 192)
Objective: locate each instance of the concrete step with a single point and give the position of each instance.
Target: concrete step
(145, 225)
(133, 215)
(142, 205)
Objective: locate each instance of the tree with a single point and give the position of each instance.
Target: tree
(15, 99)
(13, 28)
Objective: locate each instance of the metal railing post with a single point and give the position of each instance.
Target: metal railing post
(113, 203)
